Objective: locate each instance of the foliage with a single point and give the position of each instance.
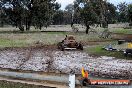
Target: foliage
(64, 16)
(123, 12)
(89, 13)
(58, 17)
(29, 12)
(111, 13)
(70, 10)
(130, 13)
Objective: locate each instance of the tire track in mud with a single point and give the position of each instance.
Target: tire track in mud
(50, 62)
(27, 57)
(39, 60)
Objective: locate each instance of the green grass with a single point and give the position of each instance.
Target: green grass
(98, 51)
(121, 30)
(28, 39)
(12, 43)
(5, 84)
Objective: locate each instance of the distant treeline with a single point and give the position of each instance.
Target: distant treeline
(39, 13)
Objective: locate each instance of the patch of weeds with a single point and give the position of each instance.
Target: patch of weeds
(12, 43)
(5, 42)
(5, 84)
(125, 31)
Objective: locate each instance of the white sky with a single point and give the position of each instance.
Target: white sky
(66, 2)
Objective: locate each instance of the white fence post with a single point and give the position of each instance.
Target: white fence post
(72, 81)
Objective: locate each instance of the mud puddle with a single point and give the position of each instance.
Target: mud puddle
(41, 59)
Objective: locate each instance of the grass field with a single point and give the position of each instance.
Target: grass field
(29, 38)
(122, 30)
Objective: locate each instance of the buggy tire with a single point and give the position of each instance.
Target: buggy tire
(59, 45)
(62, 47)
(80, 47)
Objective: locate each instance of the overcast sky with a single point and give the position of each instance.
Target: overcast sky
(66, 2)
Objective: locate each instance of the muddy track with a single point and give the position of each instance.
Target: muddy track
(49, 59)
(27, 57)
(36, 46)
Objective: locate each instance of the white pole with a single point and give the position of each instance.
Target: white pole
(72, 81)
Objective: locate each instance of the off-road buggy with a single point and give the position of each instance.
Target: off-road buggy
(69, 43)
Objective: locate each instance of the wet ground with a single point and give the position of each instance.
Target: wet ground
(48, 60)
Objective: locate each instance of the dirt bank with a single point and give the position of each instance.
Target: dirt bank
(48, 60)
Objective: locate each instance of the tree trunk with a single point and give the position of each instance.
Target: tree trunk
(104, 24)
(40, 26)
(130, 23)
(28, 23)
(87, 29)
(20, 26)
(71, 24)
(2, 24)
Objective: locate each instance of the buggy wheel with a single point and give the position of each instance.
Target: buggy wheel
(62, 47)
(80, 47)
(59, 45)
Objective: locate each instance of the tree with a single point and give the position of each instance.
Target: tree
(13, 10)
(58, 15)
(27, 12)
(123, 12)
(1, 18)
(70, 9)
(130, 13)
(89, 14)
(76, 15)
(111, 14)
(58, 18)
(66, 17)
(96, 11)
(43, 11)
